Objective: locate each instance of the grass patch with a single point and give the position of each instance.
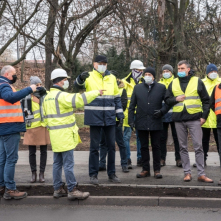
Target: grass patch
(80, 120)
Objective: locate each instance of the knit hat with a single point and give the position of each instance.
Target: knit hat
(211, 67)
(101, 58)
(35, 80)
(150, 70)
(167, 67)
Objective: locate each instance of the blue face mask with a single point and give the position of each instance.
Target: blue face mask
(166, 75)
(182, 74)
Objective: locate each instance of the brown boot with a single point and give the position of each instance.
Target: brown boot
(143, 174)
(158, 175)
(14, 194)
(33, 177)
(205, 179)
(77, 194)
(41, 177)
(187, 177)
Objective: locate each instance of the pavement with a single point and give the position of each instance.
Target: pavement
(172, 175)
(172, 178)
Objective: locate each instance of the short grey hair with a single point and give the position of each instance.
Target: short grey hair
(184, 62)
(6, 69)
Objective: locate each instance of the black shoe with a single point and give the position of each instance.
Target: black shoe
(125, 169)
(129, 164)
(94, 180)
(113, 178)
(102, 169)
(179, 163)
(194, 165)
(2, 190)
(219, 183)
(162, 163)
(139, 163)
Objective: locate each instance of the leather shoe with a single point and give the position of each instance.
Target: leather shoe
(143, 174)
(179, 163)
(205, 179)
(158, 175)
(33, 177)
(162, 163)
(102, 169)
(125, 169)
(41, 177)
(187, 177)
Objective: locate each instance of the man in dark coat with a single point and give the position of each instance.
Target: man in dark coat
(147, 99)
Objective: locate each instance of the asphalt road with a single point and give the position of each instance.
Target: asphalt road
(104, 213)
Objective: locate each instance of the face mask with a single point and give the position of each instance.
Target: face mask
(137, 75)
(148, 79)
(213, 75)
(66, 84)
(166, 75)
(14, 79)
(101, 68)
(182, 74)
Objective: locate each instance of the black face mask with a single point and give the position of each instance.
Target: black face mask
(14, 79)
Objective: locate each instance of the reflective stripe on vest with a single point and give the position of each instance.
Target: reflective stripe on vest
(59, 115)
(217, 100)
(192, 100)
(10, 113)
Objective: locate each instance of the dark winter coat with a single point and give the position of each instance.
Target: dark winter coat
(146, 99)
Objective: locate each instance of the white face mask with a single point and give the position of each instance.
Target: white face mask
(166, 75)
(213, 75)
(102, 68)
(66, 84)
(148, 79)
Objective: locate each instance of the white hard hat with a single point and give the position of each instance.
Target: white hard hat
(58, 73)
(136, 64)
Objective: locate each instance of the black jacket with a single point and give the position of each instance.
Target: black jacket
(124, 99)
(146, 100)
(212, 106)
(184, 115)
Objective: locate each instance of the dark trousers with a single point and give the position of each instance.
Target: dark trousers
(163, 141)
(95, 137)
(206, 138)
(43, 158)
(219, 138)
(155, 143)
(120, 143)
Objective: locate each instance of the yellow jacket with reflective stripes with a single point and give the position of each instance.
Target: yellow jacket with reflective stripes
(192, 101)
(209, 84)
(166, 82)
(60, 118)
(36, 122)
(129, 87)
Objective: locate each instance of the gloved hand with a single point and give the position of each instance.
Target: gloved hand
(157, 114)
(132, 126)
(84, 75)
(120, 122)
(42, 91)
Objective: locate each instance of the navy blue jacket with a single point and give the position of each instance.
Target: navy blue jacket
(8, 95)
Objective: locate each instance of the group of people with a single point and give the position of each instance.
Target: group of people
(113, 108)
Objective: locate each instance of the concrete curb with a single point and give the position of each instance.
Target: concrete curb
(131, 185)
(120, 201)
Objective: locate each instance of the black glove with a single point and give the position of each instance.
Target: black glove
(120, 122)
(157, 114)
(132, 126)
(84, 75)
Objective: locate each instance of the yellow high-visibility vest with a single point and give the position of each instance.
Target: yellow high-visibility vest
(192, 101)
(58, 108)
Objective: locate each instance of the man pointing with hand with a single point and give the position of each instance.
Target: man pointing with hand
(101, 114)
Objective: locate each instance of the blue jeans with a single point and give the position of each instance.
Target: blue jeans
(95, 136)
(9, 145)
(65, 159)
(127, 136)
(120, 143)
